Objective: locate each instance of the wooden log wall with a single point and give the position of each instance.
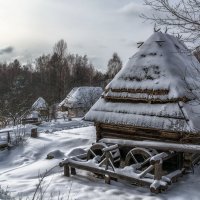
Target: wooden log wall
(134, 133)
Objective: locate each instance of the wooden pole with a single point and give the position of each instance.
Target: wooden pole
(107, 179)
(98, 132)
(157, 171)
(8, 138)
(73, 171)
(66, 171)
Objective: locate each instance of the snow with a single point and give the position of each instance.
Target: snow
(191, 148)
(149, 115)
(139, 121)
(40, 103)
(33, 114)
(169, 109)
(159, 67)
(159, 157)
(21, 165)
(157, 88)
(81, 97)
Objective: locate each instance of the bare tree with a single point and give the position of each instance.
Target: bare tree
(114, 66)
(183, 16)
(60, 48)
(59, 64)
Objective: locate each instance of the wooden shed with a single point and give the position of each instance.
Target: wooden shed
(41, 106)
(155, 96)
(148, 118)
(80, 100)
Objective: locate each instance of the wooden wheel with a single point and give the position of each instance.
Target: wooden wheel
(139, 158)
(96, 152)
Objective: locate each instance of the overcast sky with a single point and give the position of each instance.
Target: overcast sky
(29, 28)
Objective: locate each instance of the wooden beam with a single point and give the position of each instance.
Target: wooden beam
(140, 131)
(118, 175)
(140, 44)
(164, 146)
(66, 170)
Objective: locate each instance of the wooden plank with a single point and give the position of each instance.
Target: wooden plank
(136, 136)
(3, 145)
(6, 131)
(135, 128)
(78, 157)
(164, 146)
(110, 148)
(118, 174)
(125, 131)
(66, 170)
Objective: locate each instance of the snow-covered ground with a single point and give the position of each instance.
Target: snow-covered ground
(21, 166)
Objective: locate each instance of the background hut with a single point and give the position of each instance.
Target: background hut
(80, 100)
(40, 106)
(154, 97)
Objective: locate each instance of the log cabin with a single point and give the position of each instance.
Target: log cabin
(155, 96)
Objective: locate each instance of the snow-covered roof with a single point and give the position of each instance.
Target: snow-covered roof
(39, 104)
(158, 88)
(82, 97)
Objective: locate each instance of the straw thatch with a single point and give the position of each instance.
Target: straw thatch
(80, 100)
(40, 104)
(157, 90)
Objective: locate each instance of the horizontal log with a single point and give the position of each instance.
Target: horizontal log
(78, 158)
(147, 132)
(164, 146)
(7, 132)
(174, 175)
(143, 100)
(119, 174)
(154, 92)
(110, 148)
(136, 136)
(161, 157)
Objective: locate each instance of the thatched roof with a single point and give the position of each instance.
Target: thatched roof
(158, 88)
(39, 104)
(82, 97)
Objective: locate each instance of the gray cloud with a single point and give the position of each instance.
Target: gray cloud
(101, 46)
(96, 28)
(6, 50)
(133, 9)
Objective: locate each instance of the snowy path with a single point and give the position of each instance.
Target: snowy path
(19, 169)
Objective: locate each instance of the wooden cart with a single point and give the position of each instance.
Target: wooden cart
(147, 119)
(144, 164)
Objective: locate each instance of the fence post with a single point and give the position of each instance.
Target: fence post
(8, 138)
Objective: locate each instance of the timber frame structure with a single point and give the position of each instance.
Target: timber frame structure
(147, 130)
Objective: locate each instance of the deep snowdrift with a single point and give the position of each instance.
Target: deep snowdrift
(20, 168)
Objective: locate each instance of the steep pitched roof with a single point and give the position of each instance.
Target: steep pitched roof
(158, 88)
(39, 104)
(82, 97)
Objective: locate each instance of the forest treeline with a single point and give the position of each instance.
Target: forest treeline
(51, 76)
